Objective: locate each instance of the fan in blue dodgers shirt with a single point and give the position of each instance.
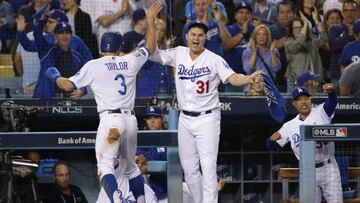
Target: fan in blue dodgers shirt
(351, 52)
(217, 37)
(327, 172)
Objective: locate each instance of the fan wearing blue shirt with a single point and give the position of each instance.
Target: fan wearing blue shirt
(218, 37)
(351, 52)
(241, 30)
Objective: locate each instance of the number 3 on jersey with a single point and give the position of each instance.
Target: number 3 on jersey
(202, 87)
(122, 90)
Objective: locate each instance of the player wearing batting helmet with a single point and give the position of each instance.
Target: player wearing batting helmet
(113, 79)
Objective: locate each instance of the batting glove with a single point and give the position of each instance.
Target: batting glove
(52, 73)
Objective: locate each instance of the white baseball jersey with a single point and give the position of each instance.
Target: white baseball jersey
(290, 132)
(112, 79)
(196, 80)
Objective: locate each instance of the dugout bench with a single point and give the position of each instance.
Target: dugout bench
(86, 140)
(286, 174)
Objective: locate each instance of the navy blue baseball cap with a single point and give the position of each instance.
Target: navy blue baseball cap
(303, 78)
(58, 15)
(243, 4)
(63, 27)
(138, 14)
(300, 91)
(356, 27)
(153, 111)
(197, 23)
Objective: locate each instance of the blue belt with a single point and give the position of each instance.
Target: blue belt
(120, 111)
(195, 114)
(321, 164)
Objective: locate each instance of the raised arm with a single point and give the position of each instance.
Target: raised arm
(331, 102)
(25, 42)
(224, 33)
(150, 33)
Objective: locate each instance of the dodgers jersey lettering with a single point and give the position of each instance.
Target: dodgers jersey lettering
(196, 80)
(114, 86)
(290, 132)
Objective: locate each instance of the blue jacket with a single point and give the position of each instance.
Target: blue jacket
(338, 37)
(48, 53)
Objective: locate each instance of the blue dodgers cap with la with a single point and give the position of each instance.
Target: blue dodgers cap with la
(303, 78)
(63, 27)
(138, 14)
(153, 111)
(197, 23)
(356, 27)
(243, 4)
(58, 15)
(300, 91)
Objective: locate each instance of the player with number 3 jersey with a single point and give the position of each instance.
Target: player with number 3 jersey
(112, 79)
(197, 76)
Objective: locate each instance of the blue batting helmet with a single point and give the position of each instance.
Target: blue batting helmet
(111, 42)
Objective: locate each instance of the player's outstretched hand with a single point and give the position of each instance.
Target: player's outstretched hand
(275, 136)
(328, 87)
(255, 77)
(154, 9)
(52, 73)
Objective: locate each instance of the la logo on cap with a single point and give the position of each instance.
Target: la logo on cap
(63, 25)
(243, 3)
(300, 90)
(151, 109)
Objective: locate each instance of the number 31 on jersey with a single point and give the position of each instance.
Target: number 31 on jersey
(202, 86)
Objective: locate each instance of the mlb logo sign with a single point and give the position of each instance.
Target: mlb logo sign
(329, 132)
(341, 132)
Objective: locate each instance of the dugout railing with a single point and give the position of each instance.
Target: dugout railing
(309, 135)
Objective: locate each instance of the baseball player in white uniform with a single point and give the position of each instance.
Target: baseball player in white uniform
(112, 79)
(197, 76)
(328, 181)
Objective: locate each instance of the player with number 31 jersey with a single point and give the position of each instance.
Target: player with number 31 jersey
(198, 72)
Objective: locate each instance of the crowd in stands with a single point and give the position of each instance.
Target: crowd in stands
(289, 40)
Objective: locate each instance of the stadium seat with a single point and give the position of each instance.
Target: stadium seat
(6, 66)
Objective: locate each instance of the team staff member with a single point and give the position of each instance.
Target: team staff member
(155, 121)
(112, 79)
(197, 76)
(327, 172)
(63, 191)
